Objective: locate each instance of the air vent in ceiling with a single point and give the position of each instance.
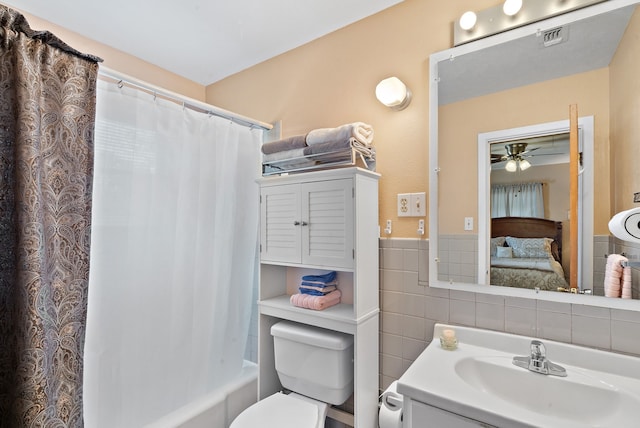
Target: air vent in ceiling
(554, 36)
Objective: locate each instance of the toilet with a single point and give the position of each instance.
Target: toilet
(316, 365)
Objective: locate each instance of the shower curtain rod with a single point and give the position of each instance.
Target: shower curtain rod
(191, 103)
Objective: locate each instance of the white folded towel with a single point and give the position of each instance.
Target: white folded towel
(362, 132)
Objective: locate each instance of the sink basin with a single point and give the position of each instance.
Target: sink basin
(550, 395)
(478, 381)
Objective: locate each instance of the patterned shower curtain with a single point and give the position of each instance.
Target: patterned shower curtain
(47, 110)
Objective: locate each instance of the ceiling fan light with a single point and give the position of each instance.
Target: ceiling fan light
(524, 164)
(511, 165)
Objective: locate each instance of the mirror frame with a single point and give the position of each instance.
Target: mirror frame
(586, 131)
(449, 54)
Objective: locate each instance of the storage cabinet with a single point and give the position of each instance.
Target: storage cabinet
(417, 413)
(311, 223)
(308, 223)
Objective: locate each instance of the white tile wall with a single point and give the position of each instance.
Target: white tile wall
(410, 308)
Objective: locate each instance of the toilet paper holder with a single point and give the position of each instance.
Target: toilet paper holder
(392, 401)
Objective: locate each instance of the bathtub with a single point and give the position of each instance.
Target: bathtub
(218, 408)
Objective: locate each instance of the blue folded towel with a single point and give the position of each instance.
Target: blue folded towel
(326, 278)
(314, 292)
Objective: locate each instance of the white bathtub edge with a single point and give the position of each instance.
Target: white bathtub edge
(192, 414)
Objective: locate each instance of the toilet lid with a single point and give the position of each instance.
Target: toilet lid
(279, 410)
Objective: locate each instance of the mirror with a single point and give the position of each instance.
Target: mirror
(502, 89)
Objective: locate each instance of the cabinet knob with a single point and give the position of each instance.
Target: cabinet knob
(304, 223)
(296, 223)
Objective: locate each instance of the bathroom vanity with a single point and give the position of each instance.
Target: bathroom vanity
(312, 223)
(478, 384)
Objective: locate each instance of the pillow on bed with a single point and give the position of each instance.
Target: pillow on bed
(504, 252)
(530, 247)
(495, 243)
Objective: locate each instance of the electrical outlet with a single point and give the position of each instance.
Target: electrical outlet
(404, 204)
(418, 204)
(468, 223)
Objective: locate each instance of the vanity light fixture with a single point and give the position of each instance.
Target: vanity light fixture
(510, 14)
(511, 7)
(468, 20)
(393, 93)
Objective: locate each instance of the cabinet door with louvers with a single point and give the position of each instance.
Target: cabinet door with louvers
(280, 233)
(308, 223)
(328, 237)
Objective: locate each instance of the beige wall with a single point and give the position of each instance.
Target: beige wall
(120, 61)
(625, 119)
(528, 105)
(331, 81)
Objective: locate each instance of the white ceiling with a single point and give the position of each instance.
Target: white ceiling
(202, 40)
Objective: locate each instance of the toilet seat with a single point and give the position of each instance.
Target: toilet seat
(283, 411)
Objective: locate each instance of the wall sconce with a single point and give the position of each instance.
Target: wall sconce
(510, 14)
(393, 93)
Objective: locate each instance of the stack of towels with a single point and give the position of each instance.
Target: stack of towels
(317, 292)
(319, 146)
(617, 277)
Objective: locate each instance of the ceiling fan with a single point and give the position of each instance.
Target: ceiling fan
(515, 157)
(517, 154)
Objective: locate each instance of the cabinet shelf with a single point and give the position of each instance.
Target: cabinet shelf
(339, 317)
(306, 266)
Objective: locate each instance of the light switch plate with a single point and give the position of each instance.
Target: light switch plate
(418, 204)
(468, 223)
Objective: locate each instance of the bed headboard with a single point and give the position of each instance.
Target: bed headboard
(529, 227)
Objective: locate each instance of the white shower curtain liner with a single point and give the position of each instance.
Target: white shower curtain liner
(173, 256)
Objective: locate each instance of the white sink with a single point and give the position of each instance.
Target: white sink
(479, 381)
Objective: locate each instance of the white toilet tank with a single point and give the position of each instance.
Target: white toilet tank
(314, 361)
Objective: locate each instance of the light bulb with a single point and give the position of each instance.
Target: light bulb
(511, 165)
(511, 7)
(524, 164)
(468, 20)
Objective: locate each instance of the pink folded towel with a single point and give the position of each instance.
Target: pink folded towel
(316, 303)
(617, 279)
(626, 282)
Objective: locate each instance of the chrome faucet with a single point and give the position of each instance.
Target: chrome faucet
(537, 361)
